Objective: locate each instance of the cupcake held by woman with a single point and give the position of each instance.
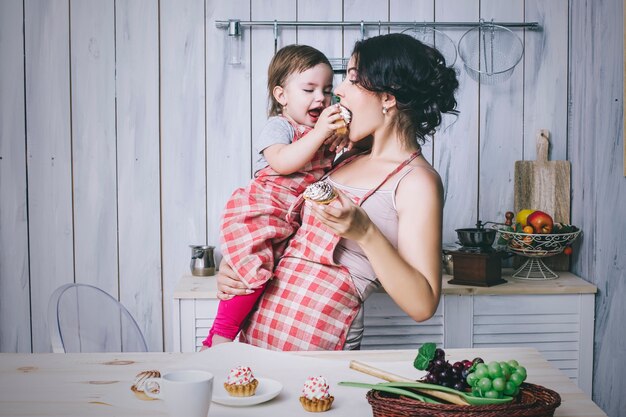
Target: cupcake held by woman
(320, 192)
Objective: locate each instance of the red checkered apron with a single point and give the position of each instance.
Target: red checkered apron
(254, 228)
(313, 301)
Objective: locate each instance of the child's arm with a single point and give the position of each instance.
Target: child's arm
(289, 158)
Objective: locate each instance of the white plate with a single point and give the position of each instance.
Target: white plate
(267, 389)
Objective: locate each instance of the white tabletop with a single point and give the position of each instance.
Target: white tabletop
(99, 384)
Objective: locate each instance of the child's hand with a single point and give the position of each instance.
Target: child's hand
(329, 121)
(338, 143)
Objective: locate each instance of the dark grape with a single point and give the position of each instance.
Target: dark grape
(478, 360)
(459, 386)
(442, 372)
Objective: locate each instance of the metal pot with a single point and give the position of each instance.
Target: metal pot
(202, 260)
(478, 237)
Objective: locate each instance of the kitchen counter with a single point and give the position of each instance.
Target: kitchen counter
(191, 287)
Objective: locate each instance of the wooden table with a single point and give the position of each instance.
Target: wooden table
(98, 384)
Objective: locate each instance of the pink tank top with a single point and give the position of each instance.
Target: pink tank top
(381, 208)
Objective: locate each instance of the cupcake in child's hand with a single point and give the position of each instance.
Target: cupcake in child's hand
(346, 117)
(315, 396)
(320, 192)
(241, 382)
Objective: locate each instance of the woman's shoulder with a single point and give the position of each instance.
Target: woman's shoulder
(420, 182)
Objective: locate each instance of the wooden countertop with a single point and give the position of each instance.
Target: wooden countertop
(191, 287)
(99, 383)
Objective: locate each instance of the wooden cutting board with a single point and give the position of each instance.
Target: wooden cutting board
(545, 185)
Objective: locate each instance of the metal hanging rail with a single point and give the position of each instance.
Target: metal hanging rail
(224, 24)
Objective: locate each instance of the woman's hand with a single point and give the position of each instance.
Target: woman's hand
(228, 283)
(346, 219)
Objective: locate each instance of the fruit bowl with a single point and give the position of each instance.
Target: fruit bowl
(536, 246)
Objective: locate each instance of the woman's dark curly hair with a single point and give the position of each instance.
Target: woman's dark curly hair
(415, 74)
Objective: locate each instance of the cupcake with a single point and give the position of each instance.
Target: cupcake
(139, 387)
(347, 117)
(320, 192)
(315, 396)
(241, 382)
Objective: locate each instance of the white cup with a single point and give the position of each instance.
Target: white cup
(185, 393)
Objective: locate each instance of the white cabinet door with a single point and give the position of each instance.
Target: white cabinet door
(549, 323)
(388, 327)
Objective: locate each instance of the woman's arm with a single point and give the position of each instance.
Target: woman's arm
(228, 283)
(411, 274)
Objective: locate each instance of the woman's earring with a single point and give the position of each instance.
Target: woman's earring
(384, 110)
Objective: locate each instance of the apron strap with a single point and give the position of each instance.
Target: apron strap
(296, 204)
(391, 174)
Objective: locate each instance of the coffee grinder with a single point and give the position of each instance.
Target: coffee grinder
(476, 262)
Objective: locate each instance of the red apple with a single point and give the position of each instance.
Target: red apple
(541, 222)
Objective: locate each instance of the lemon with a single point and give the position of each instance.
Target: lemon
(522, 216)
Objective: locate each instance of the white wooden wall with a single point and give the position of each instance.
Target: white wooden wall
(123, 131)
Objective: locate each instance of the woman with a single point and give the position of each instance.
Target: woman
(385, 228)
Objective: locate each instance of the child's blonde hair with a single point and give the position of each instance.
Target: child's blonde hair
(288, 60)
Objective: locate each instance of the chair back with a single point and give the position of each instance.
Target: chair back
(84, 318)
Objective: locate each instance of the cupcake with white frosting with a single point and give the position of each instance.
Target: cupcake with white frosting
(315, 395)
(241, 382)
(347, 118)
(139, 387)
(320, 192)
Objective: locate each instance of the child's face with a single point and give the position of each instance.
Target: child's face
(306, 94)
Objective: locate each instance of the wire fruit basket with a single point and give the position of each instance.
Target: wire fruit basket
(490, 52)
(535, 247)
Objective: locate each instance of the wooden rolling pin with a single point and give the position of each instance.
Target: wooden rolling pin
(388, 376)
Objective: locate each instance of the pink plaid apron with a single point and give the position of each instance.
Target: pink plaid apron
(313, 301)
(254, 228)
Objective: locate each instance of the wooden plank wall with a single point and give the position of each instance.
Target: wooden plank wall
(596, 139)
(123, 131)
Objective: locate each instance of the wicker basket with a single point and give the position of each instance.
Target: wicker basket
(533, 401)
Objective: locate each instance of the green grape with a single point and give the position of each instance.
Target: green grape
(513, 363)
(521, 370)
(492, 394)
(484, 384)
(482, 372)
(472, 379)
(476, 392)
(516, 378)
(498, 384)
(506, 370)
(509, 388)
(495, 371)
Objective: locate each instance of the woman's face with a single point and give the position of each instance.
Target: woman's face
(366, 107)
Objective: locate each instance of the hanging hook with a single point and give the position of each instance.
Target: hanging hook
(275, 36)
(379, 33)
(362, 30)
